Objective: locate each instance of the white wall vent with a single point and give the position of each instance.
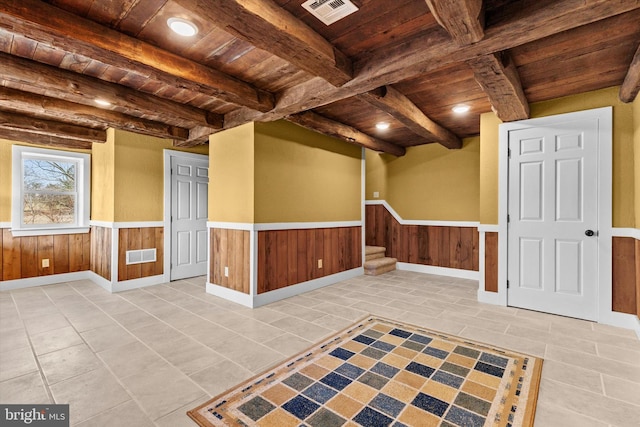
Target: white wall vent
(329, 11)
(140, 256)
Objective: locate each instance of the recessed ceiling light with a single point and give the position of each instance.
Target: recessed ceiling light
(102, 102)
(461, 108)
(182, 27)
(382, 125)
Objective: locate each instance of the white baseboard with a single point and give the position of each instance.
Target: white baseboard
(128, 285)
(621, 320)
(230, 294)
(311, 285)
(100, 281)
(279, 294)
(50, 279)
(440, 271)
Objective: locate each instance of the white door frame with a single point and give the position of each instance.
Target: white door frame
(605, 203)
(168, 154)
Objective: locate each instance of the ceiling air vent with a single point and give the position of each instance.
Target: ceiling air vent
(329, 11)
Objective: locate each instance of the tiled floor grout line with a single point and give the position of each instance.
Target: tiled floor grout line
(400, 283)
(106, 366)
(591, 392)
(33, 353)
(231, 330)
(137, 339)
(178, 330)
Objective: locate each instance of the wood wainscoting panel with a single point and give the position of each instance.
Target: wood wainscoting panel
(638, 278)
(289, 257)
(439, 246)
(624, 290)
(140, 238)
(101, 251)
(22, 256)
(491, 262)
(230, 249)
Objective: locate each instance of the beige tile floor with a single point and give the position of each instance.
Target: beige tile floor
(144, 357)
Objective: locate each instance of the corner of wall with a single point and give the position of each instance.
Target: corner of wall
(231, 175)
(5, 180)
(102, 179)
(376, 174)
(489, 156)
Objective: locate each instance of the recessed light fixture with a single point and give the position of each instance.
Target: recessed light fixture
(461, 108)
(382, 125)
(102, 102)
(182, 27)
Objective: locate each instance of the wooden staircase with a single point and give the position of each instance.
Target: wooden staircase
(376, 262)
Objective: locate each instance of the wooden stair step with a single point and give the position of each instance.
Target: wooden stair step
(379, 266)
(374, 252)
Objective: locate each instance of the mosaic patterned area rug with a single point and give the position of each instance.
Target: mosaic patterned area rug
(385, 373)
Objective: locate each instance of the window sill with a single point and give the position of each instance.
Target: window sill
(23, 232)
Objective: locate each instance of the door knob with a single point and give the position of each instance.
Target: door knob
(589, 233)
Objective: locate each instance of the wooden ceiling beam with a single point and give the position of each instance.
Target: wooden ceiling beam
(499, 79)
(463, 19)
(268, 26)
(631, 84)
(40, 139)
(321, 124)
(48, 24)
(495, 73)
(20, 122)
(400, 107)
(522, 23)
(198, 135)
(85, 90)
(83, 115)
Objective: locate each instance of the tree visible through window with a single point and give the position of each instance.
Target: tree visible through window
(49, 192)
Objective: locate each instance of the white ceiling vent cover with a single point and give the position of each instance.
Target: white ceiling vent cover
(329, 11)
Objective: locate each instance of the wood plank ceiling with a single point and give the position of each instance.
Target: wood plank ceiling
(404, 62)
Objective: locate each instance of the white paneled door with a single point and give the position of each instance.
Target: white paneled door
(553, 218)
(189, 213)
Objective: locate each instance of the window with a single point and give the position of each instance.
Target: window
(50, 191)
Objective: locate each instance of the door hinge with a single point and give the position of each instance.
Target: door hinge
(508, 218)
(507, 284)
(509, 152)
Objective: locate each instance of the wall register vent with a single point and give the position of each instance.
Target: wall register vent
(141, 256)
(329, 11)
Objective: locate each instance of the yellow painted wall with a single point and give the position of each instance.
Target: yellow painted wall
(376, 174)
(139, 176)
(489, 139)
(5, 174)
(127, 177)
(5, 180)
(231, 175)
(303, 176)
(434, 183)
(623, 159)
(102, 179)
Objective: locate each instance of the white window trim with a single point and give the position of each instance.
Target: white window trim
(83, 188)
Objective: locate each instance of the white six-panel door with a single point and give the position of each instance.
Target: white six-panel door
(189, 213)
(553, 211)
